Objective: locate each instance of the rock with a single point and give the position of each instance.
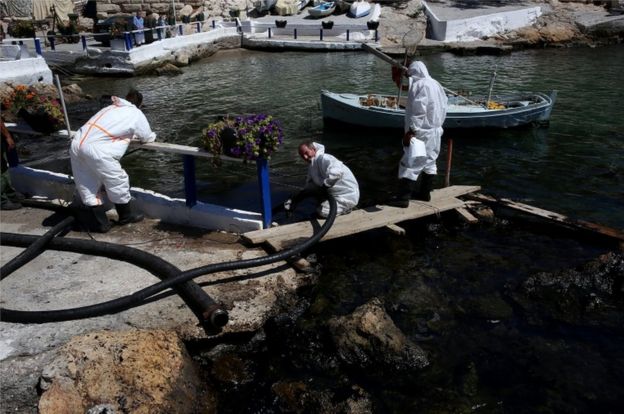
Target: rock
(132, 371)
(368, 338)
(182, 57)
(589, 296)
(168, 69)
(187, 10)
(303, 397)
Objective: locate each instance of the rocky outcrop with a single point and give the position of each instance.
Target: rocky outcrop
(129, 371)
(368, 338)
(589, 296)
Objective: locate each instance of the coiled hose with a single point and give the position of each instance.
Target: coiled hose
(144, 260)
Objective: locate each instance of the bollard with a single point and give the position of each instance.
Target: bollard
(376, 35)
(84, 42)
(347, 35)
(321, 36)
(52, 43)
(269, 32)
(198, 25)
(295, 33)
(181, 30)
(214, 25)
(38, 46)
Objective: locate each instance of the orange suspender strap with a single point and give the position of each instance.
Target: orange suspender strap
(94, 124)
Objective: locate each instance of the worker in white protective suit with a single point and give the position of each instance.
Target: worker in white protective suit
(326, 172)
(95, 151)
(425, 112)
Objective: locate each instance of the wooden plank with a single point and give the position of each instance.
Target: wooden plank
(390, 215)
(466, 216)
(552, 216)
(362, 220)
(399, 231)
(180, 149)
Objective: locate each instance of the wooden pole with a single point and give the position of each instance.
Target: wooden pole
(60, 91)
(449, 159)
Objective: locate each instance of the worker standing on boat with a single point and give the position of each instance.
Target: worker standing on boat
(96, 149)
(424, 115)
(326, 172)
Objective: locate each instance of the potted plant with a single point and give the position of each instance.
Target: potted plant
(372, 24)
(117, 40)
(42, 113)
(327, 24)
(280, 23)
(250, 137)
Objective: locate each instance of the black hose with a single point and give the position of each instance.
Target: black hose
(138, 298)
(35, 249)
(202, 305)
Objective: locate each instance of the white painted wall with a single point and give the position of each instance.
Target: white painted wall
(475, 28)
(25, 71)
(53, 186)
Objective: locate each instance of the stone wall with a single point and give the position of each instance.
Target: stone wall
(211, 8)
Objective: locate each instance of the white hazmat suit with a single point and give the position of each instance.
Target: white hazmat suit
(97, 147)
(327, 171)
(424, 115)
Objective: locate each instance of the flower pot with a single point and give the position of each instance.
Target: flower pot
(118, 44)
(39, 121)
(372, 24)
(328, 24)
(281, 23)
(228, 140)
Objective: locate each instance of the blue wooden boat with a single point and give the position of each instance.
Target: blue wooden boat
(325, 8)
(382, 111)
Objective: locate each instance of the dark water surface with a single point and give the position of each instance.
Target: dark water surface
(448, 290)
(574, 167)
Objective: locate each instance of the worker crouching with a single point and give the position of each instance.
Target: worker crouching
(95, 151)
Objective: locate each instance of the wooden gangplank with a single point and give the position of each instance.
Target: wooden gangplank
(361, 220)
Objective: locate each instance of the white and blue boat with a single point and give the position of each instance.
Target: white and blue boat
(382, 111)
(359, 9)
(325, 8)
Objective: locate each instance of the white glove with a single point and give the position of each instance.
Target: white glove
(288, 204)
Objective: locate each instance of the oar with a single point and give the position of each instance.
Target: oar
(393, 62)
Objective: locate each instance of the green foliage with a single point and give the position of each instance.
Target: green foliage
(21, 28)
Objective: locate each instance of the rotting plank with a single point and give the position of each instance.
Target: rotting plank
(555, 217)
(365, 219)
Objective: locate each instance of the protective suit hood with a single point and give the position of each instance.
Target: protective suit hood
(320, 149)
(418, 70)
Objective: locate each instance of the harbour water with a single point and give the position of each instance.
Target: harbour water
(454, 292)
(574, 166)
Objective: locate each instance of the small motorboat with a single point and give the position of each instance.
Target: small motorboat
(325, 8)
(359, 9)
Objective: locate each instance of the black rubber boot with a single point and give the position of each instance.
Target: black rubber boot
(92, 219)
(127, 214)
(426, 185)
(406, 187)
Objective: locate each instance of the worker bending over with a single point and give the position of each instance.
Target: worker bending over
(95, 151)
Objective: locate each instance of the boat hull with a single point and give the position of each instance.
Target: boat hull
(345, 108)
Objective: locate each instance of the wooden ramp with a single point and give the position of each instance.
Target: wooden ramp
(281, 237)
